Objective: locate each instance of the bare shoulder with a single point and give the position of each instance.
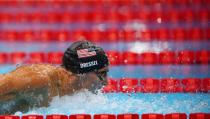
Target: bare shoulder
(62, 71)
(42, 70)
(36, 67)
(32, 69)
(33, 74)
(60, 75)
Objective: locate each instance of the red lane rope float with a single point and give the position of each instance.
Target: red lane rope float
(176, 116)
(17, 57)
(37, 57)
(191, 85)
(55, 57)
(57, 116)
(186, 57)
(199, 115)
(206, 85)
(3, 58)
(80, 116)
(152, 116)
(130, 58)
(32, 117)
(128, 85)
(149, 85)
(148, 58)
(104, 116)
(142, 3)
(202, 57)
(167, 57)
(170, 16)
(127, 116)
(108, 35)
(115, 57)
(152, 85)
(111, 87)
(169, 85)
(9, 117)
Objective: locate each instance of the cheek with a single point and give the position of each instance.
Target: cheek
(92, 77)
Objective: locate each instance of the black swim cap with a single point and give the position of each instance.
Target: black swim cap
(84, 56)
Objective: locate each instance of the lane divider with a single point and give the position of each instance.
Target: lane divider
(152, 85)
(199, 115)
(142, 3)
(189, 16)
(109, 35)
(115, 57)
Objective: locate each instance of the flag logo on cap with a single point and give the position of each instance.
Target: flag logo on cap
(85, 53)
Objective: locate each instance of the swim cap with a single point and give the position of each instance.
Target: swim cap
(84, 56)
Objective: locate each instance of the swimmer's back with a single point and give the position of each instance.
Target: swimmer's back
(24, 77)
(27, 83)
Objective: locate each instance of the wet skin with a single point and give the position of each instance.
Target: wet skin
(35, 85)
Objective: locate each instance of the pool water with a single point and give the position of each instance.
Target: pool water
(86, 102)
(106, 18)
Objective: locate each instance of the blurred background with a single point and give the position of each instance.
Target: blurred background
(153, 46)
(144, 35)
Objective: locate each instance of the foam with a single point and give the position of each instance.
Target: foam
(86, 102)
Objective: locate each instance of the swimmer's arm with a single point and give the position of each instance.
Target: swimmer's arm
(20, 80)
(24, 87)
(22, 99)
(6, 89)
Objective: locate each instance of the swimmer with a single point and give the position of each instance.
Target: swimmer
(84, 67)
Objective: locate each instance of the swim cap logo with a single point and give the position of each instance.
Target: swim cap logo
(88, 64)
(85, 53)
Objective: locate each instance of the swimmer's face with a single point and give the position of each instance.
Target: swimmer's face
(102, 75)
(97, 79)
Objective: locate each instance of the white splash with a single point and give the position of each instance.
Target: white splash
(86, 102)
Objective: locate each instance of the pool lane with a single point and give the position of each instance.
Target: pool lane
(134, 46)
(127, 103)
(148, 71)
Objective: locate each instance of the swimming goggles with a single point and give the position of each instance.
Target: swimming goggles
(101, 74)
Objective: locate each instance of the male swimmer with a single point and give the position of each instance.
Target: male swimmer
(84, 66)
